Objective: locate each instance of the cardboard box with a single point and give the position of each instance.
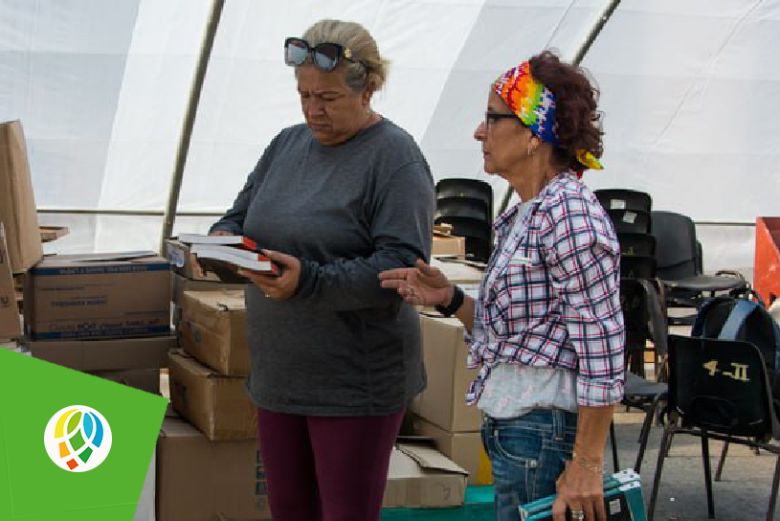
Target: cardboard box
(463, 273)
(180, 284)
(98, 296)
(420, 476)
(213, 330)
(217, 405)
(144, 379)
(449, 245)
(106, 355)
(145, 509)
(464, 448)
(479, 505)
(184, 262)
(52, 233)
(10, 323)
(459, 272)
(17, 202)
(443, 401)
(200, 480)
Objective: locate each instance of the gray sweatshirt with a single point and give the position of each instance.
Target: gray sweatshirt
(342, 345)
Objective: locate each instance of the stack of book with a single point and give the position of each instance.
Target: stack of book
(223, 255)
(622, 500)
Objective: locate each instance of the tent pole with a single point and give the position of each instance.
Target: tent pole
(583, 50)
(189, 119)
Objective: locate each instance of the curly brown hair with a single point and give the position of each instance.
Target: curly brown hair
(577, 121)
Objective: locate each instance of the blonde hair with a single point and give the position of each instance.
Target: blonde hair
(372, 72)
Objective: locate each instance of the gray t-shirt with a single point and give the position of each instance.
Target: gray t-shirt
(342, 345)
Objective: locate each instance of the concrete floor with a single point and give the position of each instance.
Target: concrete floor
(743, 493)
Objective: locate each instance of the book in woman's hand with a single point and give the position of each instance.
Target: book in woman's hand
(225, 261)
(239, 241)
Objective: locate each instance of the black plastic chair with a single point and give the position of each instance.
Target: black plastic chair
(624, 199)
(644, 319)
(637, 267)
(637, 244)
(678, 256)
(471, 208)
(478, 235)
(630, 221)
(718, 389)
(462, 188)
(467, 204)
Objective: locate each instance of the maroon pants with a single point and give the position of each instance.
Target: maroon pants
(326, 468)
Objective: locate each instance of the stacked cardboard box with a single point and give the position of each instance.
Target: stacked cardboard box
(207, 379)
(449, 245)
(189, 276)
(441, 411)
(10, 320)
(203, 480)
(209, 464)
(105, 314)
(17, 201)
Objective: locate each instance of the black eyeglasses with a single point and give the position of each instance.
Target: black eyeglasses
(495, 116)
(324, 56)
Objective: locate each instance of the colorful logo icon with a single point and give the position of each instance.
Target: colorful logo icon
(77, 438)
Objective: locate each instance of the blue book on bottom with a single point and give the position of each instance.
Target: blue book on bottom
(623, 500)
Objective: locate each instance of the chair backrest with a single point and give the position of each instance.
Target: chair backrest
(472, 208)
(624, 199)
(630, 221)
(721, 386)
(637, 267)
(636, 244)
(467, 204)
(675, 239)
(643, 315)
(633, 304)
(464, 188)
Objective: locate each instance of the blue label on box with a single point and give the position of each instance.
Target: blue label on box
(100, 270)
(106, 332)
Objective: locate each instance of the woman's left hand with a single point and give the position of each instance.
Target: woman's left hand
(277, 287)
(580, 490)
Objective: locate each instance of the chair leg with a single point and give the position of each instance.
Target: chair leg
(770, 514)
(705, 454)
(719, 470)
(666, 442)
(644, 433)
(613, 442)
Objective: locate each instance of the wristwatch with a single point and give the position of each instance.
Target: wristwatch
(455, 303)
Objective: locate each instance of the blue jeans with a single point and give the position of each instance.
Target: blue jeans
(528, 455)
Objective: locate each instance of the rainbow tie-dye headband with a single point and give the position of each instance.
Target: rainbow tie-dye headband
(534, 105)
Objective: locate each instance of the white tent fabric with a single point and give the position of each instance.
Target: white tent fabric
(688, 93)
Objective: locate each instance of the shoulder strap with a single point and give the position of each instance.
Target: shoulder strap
(698, 324)
(739, 313)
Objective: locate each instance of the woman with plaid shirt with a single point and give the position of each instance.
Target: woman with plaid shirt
(546, 330)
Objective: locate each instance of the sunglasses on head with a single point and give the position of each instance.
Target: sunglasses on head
(324, 56)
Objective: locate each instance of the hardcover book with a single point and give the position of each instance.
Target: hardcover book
(225, 240)
(225, 261)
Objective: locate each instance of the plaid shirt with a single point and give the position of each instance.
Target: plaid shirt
(550, 296)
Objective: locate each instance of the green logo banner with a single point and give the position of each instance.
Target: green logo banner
(72, 446)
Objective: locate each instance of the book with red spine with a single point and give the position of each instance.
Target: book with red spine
(240, 241)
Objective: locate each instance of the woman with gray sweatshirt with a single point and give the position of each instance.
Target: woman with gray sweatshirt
(335, 358)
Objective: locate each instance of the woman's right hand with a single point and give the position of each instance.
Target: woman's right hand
(422, 285)
(221, 232)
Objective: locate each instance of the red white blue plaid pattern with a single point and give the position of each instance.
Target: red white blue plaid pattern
(550, 296)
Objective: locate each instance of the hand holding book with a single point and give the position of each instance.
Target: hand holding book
(282, 285)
